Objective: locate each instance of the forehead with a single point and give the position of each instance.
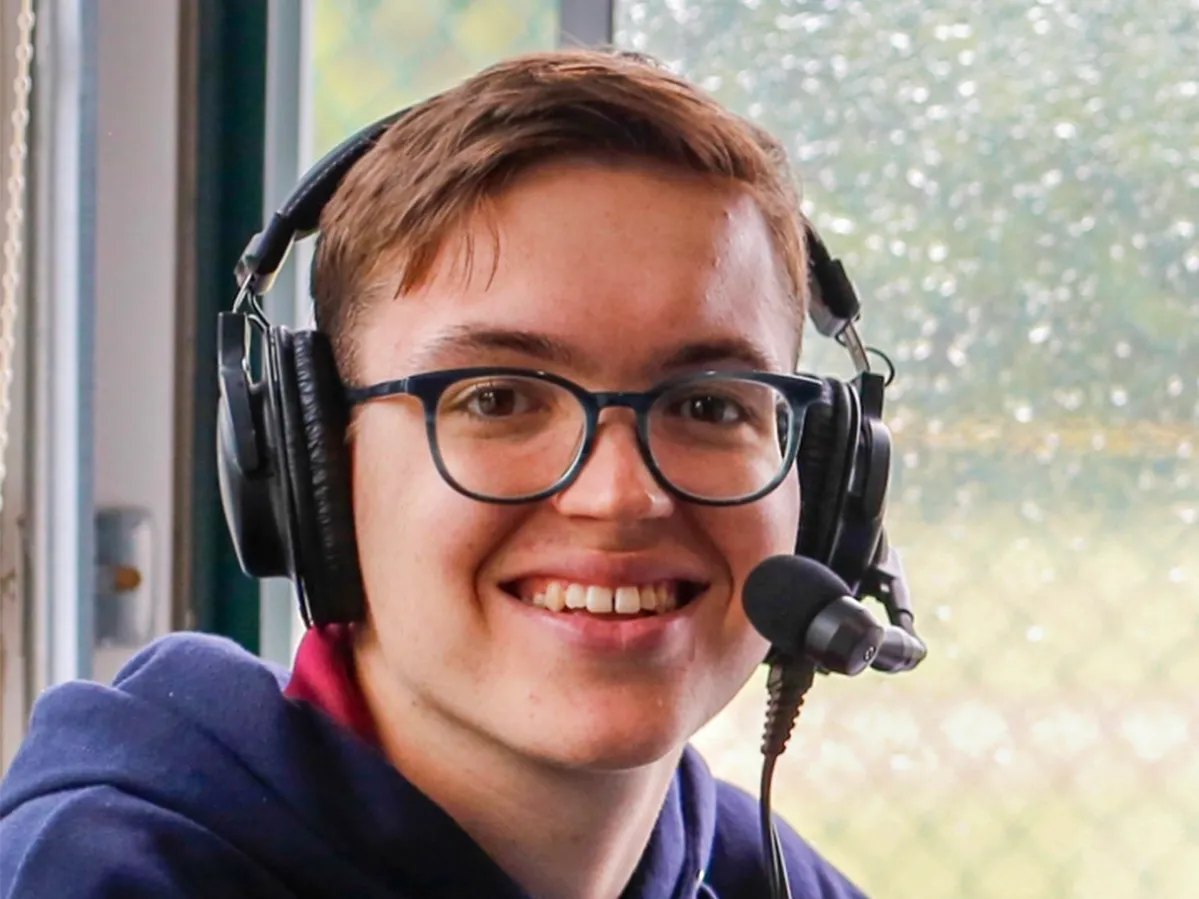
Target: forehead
(623, 265)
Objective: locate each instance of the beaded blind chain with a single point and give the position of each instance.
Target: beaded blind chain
(14, 221)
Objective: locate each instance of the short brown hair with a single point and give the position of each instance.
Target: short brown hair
(438, 164)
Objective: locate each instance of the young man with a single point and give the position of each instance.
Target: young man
(541, 641)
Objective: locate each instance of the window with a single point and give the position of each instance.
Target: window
(1013, 187)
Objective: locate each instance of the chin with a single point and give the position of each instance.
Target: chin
(611, 754)
(646, 716)
(587, 738)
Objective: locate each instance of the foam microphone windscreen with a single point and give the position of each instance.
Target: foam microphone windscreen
(782, 596)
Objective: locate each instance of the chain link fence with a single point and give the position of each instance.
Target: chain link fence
(1013, 186)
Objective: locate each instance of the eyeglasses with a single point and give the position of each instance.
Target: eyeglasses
(513, 435)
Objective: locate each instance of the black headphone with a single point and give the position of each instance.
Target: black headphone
(284, 465)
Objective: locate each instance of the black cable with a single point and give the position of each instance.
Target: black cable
(875, 351)
(766, 829)
(772, 850)
(786, 684)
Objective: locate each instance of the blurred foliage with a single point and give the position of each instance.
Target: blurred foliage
(373, 57)
(1014, 187)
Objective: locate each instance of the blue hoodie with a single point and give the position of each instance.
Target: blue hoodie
(196, 775)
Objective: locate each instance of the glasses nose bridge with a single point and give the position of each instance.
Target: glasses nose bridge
(632, 440)
(636, 402)
(621, 399)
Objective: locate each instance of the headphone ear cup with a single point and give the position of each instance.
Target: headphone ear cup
(317, 457)
(252, 500)
(825, 463)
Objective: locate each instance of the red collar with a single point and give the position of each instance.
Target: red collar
(324, 675)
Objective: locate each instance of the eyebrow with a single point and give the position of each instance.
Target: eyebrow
(467, 339)
(724, 349)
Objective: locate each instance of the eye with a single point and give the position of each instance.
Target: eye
(502, 399)
(497, 401)
(724, 405)
(710, 408)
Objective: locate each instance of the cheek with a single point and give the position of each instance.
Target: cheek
(420, 542)
(731, 648)
(745, 535)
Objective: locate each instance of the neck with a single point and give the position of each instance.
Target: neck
(557, 832)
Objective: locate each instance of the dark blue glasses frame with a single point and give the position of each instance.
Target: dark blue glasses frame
(800, 391)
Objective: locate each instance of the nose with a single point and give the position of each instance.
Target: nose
(615, 483)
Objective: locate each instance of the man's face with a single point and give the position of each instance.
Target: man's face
(603, 275)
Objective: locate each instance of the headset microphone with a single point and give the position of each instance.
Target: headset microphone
(814, 623)
(804, 610)
(807, 611)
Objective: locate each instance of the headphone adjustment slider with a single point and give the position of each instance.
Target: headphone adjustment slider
(235, 390)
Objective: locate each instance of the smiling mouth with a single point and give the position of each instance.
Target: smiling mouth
(625, 601)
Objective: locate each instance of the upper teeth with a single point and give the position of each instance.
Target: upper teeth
(623, 600)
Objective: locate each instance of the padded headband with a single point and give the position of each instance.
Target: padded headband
(300, 214)
(834, 304)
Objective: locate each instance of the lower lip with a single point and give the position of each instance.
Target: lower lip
(613, 634)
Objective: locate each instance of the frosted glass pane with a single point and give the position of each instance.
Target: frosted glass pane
(1014, 186)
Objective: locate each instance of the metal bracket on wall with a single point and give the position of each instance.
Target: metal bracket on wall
(124, 615)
